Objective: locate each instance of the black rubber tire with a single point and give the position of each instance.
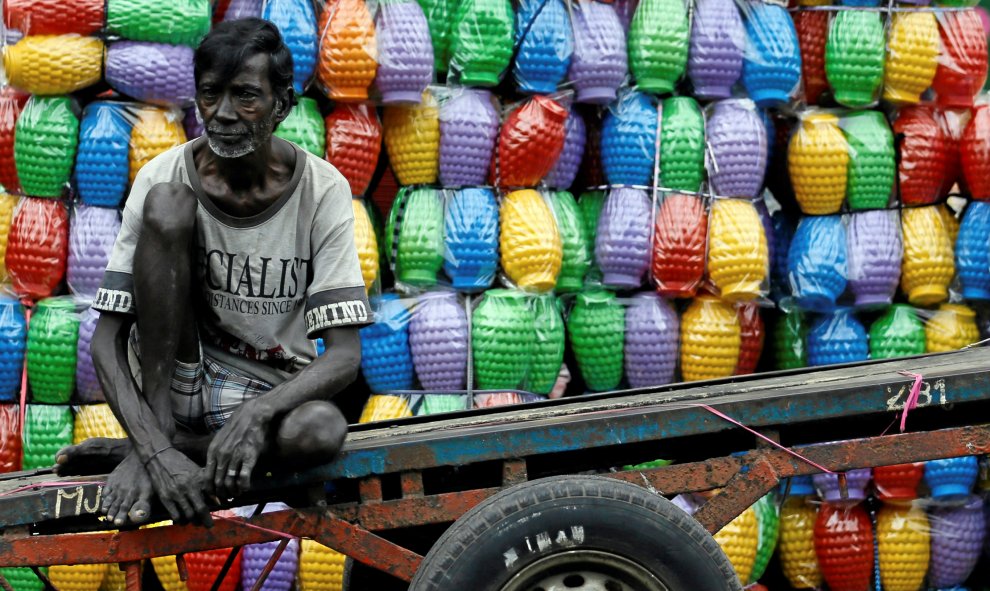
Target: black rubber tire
(616, 517)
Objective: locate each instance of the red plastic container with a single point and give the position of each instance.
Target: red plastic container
(37, 247)
(962, 64)
(354, 142)
(204, 567)
(753, 333)
(844, 546)
(974, 153)
(10, 438)
(679, 246)
(54, 17)
(812, 30)
(899, 482)
(529, 143)
(11, 104)
(925, 153)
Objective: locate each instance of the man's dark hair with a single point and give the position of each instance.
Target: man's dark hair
(228, 45)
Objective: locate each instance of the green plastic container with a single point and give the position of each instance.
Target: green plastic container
(854, 56)
(648, 465)
(898, 333)
(769, 530)
(45, 140)
(548, 349)
(47, 429)
(658, 44)
(437, 403)
(591, 204)
(178, 22)
(304, 127)
(682, 144)
(419, 236)
(597, 329)
(502, 340)
(481, 41)
(871, 159)
(574, 239)
(51, 350)
(438, 14)
(789, 340)
(22, 578)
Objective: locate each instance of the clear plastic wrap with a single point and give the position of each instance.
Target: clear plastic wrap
(296, 20)
(182, 22)
(12, 102)
(494, 399)
(837, 337)
(438, 340)
(629, 140)
(596, 329)
(388, 407)
(797, 543)
(576, 247)
(10, 443)
(502, 336)
(974, 152)
(348, 54)
(817, 263)
(752, 332)
(443, 402)
(710, 339)
(102, 169)
(13, 330)
(962, 63)
(530, 244)
(972, 256)
(565, 170)
(386, 359)
(600, 61)
(898, 333)
(354, 143)
(37, 247)
(682, 145)
(925, 151)
(928, 266)
(912, 56)
(950, 328)
(471, 238)
(481, 41)
(737, 148)
(156, 130)
(414, 237)
(658, 44)
(405, 52)
(88, 388)
(870, 177)
(92, 232)
(622, 241)
(304, 127)
(812, 33)
(548, 347)
(54, 17)
(45, 142)
(772, 60)
(957, 534)
(53, 64)
(854, 57)
(412, 138)
(544, 42)
(7, 205)
(738, 255)
(790, 348)
(47, 429)
(529, 142)
(818, 163)
(469, 127)
(51, 350)
(680, 243)
(95, 420)
(366, 243)
(740, 540)
(651, 341)
(874, 253)
(439, 14)
(156, 73)
(844, 546)
(715, 55)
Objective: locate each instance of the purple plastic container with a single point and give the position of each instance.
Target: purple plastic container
(957, 538)
(238, 9)
(622, 243)
(468, 129)
(874, 251)
(405, 52)
(652, 330)
(254, 557)
(565, 170)
(856, 483)
(87, 385)
(737, 140)
(715, 57)
(599, 63)
(91, 236)
(625, 9)
(438, 336)
(192, 125)
(155, 73)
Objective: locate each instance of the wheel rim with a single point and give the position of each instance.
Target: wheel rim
(584, 570)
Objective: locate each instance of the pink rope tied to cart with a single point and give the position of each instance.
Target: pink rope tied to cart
(22, 411)
(912, 400)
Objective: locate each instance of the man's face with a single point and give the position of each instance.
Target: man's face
(239, 113)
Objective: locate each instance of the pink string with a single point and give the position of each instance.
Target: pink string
(53, 484)
(912, 400)
(22, 412)
(238, 521)
(764, 438)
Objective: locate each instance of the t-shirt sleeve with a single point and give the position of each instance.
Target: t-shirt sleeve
(336, 296)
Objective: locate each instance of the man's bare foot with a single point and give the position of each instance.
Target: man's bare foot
(127, 493)
(93, 456)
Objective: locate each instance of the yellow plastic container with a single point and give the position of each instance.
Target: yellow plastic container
(710, 340)
(951, 328)
(366, 243)
(348, 50)
(740, 541)
(529, 241)
(412, 138)
(96, 420)
(902, 533)
(818, 162)
(166, 569)
(383, 407)
(320, 568)
(115, 579)
(928, 265)
(78, 577)
(54, 64)
(7, 204)
(738, 257)
(797, 544)
(912, 56)
(156, 130)
(950, 221)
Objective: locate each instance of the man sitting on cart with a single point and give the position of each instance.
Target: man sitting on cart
(236, 250)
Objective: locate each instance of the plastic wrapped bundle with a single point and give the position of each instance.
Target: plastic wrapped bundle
(412, 138)
(37, 247)
(829, 488)
(13, 339)
(183, 22)
(205, 567)
(282, 577)
(10, 448)
(591, 203)
(405, 52)
(155, 131)
(837, 338)
(438, 17)
(951, 328)
(844, 547)
(47, 429)
(652, 330)
(596, 328)
(23, 578)
(622, 242)
(957, 536)
(530, 244)
(353, 143)
(928, 266)
(366, 243)
(769, 530)
(740, 540)
(544, 43)
(320, 568)
(155, 73)
(102, 168)
(962, 65)
(45, 145)
(78, 577)
(304, 127)
(241, 9)
(658, 44)
(951, 478)
(51, 350)
(502, 331)
(975, 153)
(973, 252)
(629, 137)
(53, 64)
(898, 482)
(710, 340)
(88, 387)
(912, 56)
(575, 246)
(682, 145)
(386, 408)
(438, 338)
(797, 543)
(898, 333)
(469, 126)
(812, 33)
(548, 349)
(96, 420)
(715, 56)
(529, 143)
(871, 159)
(680, 241)
(419, 238)
(817, 264)
(925, 152)
(348, 51)
(296, 21)
(54, 17)
(738, 259)
(874, 256)
(903, 545)
(789, 341)
(386, 361)
(752, 333)
(481, 41)
(818, 162)
(599, 64)
(471, 234)
(565, 170)
(772, 63)
(92, 233)
(12, 102)
(737, 141)
(854, 55)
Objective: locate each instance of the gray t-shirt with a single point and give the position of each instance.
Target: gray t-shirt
(268, 283)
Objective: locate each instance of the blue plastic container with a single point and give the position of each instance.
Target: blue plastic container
(952, 477)
(801, 486)
(297, 23)
(13, 339)
(772, 61)
(544, 42)
(386, 360)
(837, 338)
(973, 251)
(470, 254)
(102, 167)
(783, 234)
(817, 262)
(629, 137)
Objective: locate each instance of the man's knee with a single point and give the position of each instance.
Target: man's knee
(170, 211)
(315, 431)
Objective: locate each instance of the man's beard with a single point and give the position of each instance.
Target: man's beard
(257, 133)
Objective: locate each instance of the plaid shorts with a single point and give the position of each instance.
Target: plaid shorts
(204, 394)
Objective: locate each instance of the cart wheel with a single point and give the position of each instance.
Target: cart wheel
(574, 533)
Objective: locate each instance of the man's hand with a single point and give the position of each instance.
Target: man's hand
(235, 450)
(179, 484)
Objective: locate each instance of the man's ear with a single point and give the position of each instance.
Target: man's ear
(283, 105)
